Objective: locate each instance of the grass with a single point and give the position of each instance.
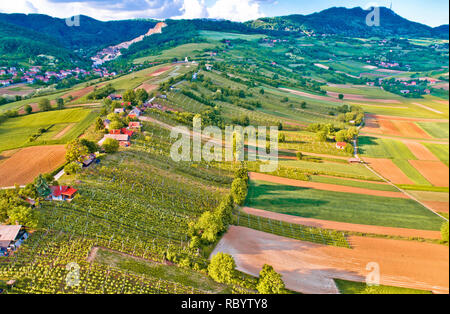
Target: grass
(343, 207)
(357, 184)
(439, 150)
(218, 36)
(384, 148)
(411, 172)
(435, 129)
(355, 171)
(353, 287)
(158, 270)
(423, 188)
(180, 52)
(15, 132)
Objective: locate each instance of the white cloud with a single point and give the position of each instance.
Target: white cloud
(235, 10)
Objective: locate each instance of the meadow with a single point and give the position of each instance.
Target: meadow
(15, 132)
(343, 207)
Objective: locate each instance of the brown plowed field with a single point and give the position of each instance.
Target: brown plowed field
(148, 87)
(160, 71)
(389, 170)
(26, 164)
(343, 226)
(387, 117)
(436, 172)
(410, 129)
(310, 268)
(420, 151)
(437, 206)
(323, 186)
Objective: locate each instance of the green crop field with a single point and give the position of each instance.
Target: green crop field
(218, 36)
(355, 171)
(353, 183)
(435, 129)
(15, 132)
(353, 287)
(384, 148)
(439, 150)
(180, 52)
(343, 207)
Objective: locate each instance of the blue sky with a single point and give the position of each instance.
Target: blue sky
(430, 12)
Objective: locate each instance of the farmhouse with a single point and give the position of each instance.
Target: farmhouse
(135, 113)
(341, 145)
(115, 97)
(62, 193)
(11, 237)
(134, 126)
(208, 67)
(119, 110)
(88, 160)
(123, 139)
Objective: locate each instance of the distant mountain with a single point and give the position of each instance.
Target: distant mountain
(350, 22)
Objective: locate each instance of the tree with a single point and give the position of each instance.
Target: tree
(129, 96)
(239, 190)
(300, 155)
(44, 104)
(60, 103)
(28, 109)
(110, 145)
(72, 168)
(99, 124)
(303, 105)
(90, 145)
(321, 136)
(444, 231)
(351, 133)
(270, 282)
(42, 187)
(222, 268)
(280, 126)
(141, 95)
(115, 125)
(341, 96)
(23, 215)
(341, 136)
(261, 91)
(281, 137)
(208, 226)
(75, 150)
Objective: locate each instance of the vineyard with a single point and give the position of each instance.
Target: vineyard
(299, 232)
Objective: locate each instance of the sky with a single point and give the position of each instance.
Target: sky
(429, 12)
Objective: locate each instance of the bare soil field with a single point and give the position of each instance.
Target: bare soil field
(148, 87)
(389, 170)
(310, 268)
(438, 206)
(436, 172)
(20, 89)
(343, 226)
(420, 151)
(410, 129)
(26, 164)
(387, 117)
(160, 71)
(323, 186)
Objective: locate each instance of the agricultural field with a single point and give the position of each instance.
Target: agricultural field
(60, 126)
(343, 207)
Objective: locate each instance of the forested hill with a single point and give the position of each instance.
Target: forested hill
(90, 34)
(350, 22)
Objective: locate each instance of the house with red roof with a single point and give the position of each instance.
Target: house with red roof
(341, 145)
(62, 193)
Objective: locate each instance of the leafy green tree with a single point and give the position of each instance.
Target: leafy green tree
(351, 133)
(44, 104)
(270, 282)
(222, 268)
(72, 168)
(110, 145)
(303, 105)
(321, 136)
(341, 136)
(90, 145)
(129, 96)
(99, 124)
(141, 95)
(115, 125)
(281, 137)
(261, 91)
(239, 190)
(300, 155)
(444, 231)
(75, 150)
(28, 109)
(209, 225)
(60, 103)
(23, 215)
(341, 96)
(280, 126)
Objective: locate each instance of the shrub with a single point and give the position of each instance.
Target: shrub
(444, 231)
(44, 104)
(110, 145)
(270, 281)
(239, 190)
(72, 168)
(28, 109)
(300, 155)
(222, 268)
